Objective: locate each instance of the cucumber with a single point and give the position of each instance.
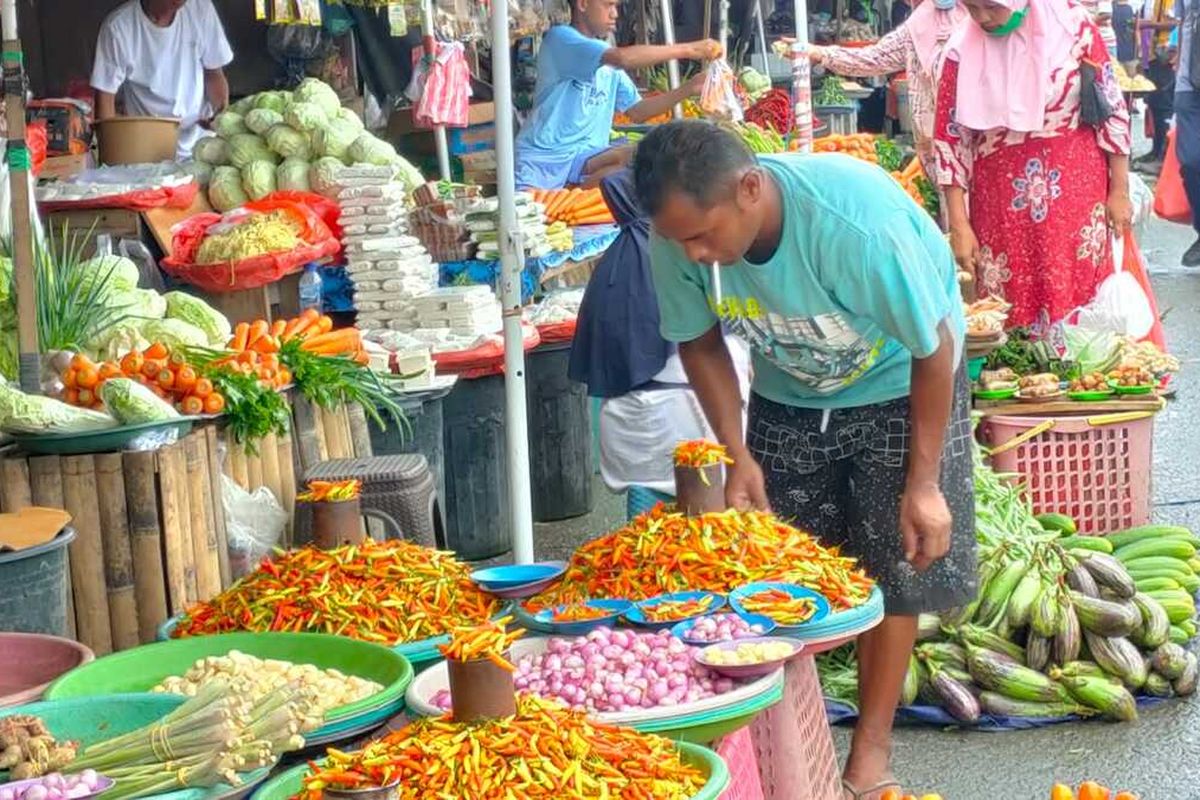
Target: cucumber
(1190, 582)
(1156, 584)
(1096, 544)
(1157, 562)
(1052, 521)
(1180, 576)
(1189, 627)
(1173, 548)
(1194, 564)
(1148, 532)
(1179, 635)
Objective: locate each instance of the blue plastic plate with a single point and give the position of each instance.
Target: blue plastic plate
(612, 608)
(852, 620)
(511, 575)
(637, 614)
(682, 629)
(822, 605)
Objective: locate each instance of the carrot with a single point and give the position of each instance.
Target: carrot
(258, 329)
(240, 335)
(594, 219)
(324, 324)
(346, 340)
(912, 170)
(563, 201)
(591, 209)
(265, 344)
(362, 358)
(277, 327)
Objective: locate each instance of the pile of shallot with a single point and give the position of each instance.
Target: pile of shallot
(56, 786)
(615, 670)
(722, 628)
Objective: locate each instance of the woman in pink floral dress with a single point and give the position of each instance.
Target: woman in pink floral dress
(1032, 191)
(916, 47)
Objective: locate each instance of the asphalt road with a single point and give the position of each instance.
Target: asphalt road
(1158, 757)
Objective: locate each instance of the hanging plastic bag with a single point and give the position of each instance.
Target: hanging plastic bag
(253, 524)
(1121, 304)
(718, 98)
(1142, 197)
(1170, 198)
(440, 88)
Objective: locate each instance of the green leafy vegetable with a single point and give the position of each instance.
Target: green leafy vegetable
(28, 413)
(133, 404)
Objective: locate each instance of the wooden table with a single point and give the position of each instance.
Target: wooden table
(1066, 407)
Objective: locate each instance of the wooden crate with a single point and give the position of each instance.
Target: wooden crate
(150, 534)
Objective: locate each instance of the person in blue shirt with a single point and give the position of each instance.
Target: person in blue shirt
(859, 428)
(581, 83)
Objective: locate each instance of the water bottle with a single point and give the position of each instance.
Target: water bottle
(310, 288)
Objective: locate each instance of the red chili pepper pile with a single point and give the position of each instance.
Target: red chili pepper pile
(387, 592)
(544, 751)
(774, 110)
(661, 552)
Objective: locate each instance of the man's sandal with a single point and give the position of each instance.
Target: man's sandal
(856, 794)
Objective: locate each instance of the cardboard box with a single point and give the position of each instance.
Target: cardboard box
(480, 133)
(59, 167)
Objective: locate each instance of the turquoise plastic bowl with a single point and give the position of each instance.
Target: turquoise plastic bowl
(613, 610)
(822, 604)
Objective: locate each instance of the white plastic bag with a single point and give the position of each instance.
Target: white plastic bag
(1120, 304)
(717, 98)
(253, 525)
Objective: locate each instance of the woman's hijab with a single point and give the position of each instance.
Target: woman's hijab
(1004, 81)
(931, 25)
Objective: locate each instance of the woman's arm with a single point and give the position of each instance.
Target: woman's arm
(952, 151)
(888, 55)
(1114, 135)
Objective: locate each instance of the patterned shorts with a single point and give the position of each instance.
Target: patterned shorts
(844, 484)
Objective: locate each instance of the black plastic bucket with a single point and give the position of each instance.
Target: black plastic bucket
(560, 436)
(35, 583)
(476, 502)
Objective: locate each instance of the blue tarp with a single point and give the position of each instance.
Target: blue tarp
(837, 711)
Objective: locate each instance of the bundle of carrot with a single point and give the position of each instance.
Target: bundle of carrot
(387, 592)
(574, 206)
(663, 551)
(859, 145)
(544, 751)
(700, 453)
(314, 330)
(168, 374)
(910, 178)
(489, 640)
(331, 491)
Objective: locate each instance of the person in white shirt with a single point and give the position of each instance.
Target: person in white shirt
(163, 58)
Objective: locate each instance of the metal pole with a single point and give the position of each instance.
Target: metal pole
(668, 23)
(511, 258)
(723, 26)
(802, 80)
(762, 37)
(19, 165)
(430, 45)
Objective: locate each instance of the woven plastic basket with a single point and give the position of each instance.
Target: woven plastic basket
(1094, 469)
(737, 749)
(795, 751)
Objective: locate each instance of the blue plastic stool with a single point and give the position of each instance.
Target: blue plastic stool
(640, 499)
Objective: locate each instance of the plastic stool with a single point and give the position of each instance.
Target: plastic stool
(401, 486)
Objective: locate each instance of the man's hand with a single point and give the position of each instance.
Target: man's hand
(695, 84)
(745, 487)
(924, 525)
(706, 50)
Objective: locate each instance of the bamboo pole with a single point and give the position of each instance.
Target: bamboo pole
(87, 554)
(173, 493)
(337, 440)
(254, 470)
(118, 551)
(45, 483)
(360, 432)
(204, 538)
(287, 482)
(268, 451)
(15, 491)
(146, 542)
(306, 435)
(235, 456)
(217, 488)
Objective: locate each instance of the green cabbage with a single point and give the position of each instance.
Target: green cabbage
(348, 116)
(323, 176)
(225, 189)
(174, 333)
(116, 340)
(193, 310)
(319, 94)
(275, 101)
(258, 179)
(228, 124)
(292, 175)
(289, 142)
(260, 120)
(335, 139)
(305, 116)
(122, 273)
(212, 150)
(409, 175)
(370, 149)
(30, 413)
(246, 147)
(134, 404)
(199, 170)
(243, 106)
(8, 354)
(141, 303)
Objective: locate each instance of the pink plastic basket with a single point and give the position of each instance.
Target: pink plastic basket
(1095, 469)
(737, 750)
(796, 759)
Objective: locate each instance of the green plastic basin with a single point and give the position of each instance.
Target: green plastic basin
(141, 668)
(286, 784)
(89, 720)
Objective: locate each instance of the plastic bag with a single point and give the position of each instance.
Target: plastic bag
(717, 98)
(1170, 198)
(254, 524)
(1121, 304)
(1142, 197)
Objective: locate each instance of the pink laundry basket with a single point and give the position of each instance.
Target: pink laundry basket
(737, 750)
(796, 759)
(1095, 469)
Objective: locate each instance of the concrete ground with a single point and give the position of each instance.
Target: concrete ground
(1158, 757)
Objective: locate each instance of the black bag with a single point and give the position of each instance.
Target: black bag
(1094, 106)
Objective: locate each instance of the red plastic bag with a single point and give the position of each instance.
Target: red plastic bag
(249, 273)
(553, 332)
(487, 359)
(1135, 265)
(1170, 198)
(328, 210)
(141, 200)
(35, 140)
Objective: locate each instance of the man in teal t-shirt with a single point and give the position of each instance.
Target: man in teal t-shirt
(581, 83)
(859, 424)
